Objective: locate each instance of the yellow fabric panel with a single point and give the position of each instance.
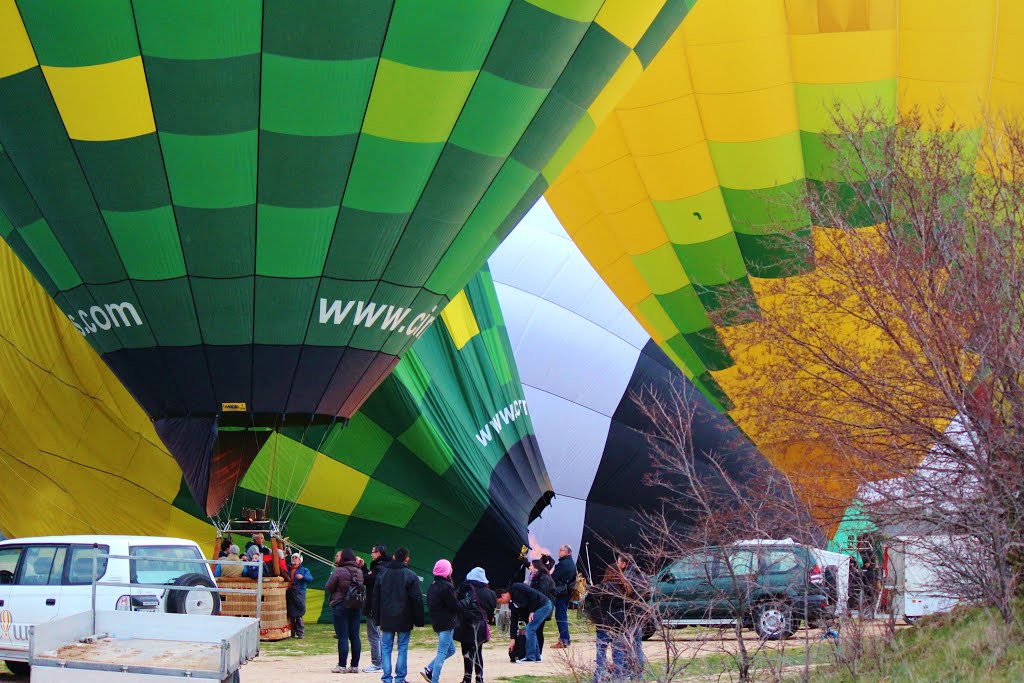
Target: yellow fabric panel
(626, 75)
(666, 78)
(733, 21)
(627, 20)
(638, 228)
(16, 53)
(598, 244)
(617, 185)
(745, 117)
(684, 227)
(816, 103)
(626, 281)
(661, 269)
(459, 319)
(333, 486)
(102, 102)
(683, 173)
(652, 316)
(151, 469)
(740, 67)
(606, 146)
(660, 128)
(844, 57)
(576, 206)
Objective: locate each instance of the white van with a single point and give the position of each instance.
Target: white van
(48, 577)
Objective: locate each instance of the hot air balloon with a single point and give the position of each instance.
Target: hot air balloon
(584, 361)
(252, 209)
(684, 199)
(441, 459)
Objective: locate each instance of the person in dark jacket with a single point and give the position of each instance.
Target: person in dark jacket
(606, 606)
(378, 558)
(542, 581)
(295, 596)
(477, 603)
(564, 576)
(637, 587)
(533, 607)
(444, 615)
(346, 608)
(397, 608)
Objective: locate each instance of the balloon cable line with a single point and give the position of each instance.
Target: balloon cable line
(48, 499)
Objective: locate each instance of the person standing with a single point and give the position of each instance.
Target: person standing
(564, 577)
(348, 593)
(529, 603)
(606, 606)
(477, 603)
(397, 608)
(542, 581)
(637, 587)
(295, 596)
(378, 558)
(444, 614)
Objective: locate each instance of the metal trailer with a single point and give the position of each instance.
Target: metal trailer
(911, 577)
(141, 647)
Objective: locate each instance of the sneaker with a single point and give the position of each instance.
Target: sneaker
(352, 670)
(373, 669)
(339, 670)
(426, 673)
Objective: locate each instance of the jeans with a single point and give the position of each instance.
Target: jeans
(445, 649)
(562, 618)
(604, 639)
(387, 645)
(346, 627)
(298, 627)
(539, 617)
(639, 661)
(373, 635)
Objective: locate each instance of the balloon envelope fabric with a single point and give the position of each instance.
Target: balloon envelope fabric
(582, 357)
(259, 206)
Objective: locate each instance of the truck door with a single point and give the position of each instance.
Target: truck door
(9, 556)
(35, 593)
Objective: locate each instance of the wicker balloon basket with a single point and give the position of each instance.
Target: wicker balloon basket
(274, 623)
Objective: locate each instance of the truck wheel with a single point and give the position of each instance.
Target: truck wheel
(773, 621)
(193, 602)
(19, 669)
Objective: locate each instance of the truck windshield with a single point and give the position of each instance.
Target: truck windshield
(166, 564)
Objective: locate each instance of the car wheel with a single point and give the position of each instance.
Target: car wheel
(649, 630)
(19, 669)
(193, 602)
(773, 621)
(910, 620)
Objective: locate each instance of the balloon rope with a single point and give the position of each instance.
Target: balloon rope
(310, 553)
(270, 477)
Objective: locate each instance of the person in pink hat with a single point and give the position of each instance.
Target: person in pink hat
(444, 611)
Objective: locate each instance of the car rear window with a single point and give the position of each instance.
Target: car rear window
(779, 561)
(166, 564)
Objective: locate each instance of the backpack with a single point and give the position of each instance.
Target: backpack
(578, 589)
(471, 612)
(355, 596)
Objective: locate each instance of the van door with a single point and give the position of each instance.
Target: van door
(35, 594)
(9, 556)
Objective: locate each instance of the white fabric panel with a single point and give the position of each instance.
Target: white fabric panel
(571, 439)
(560, 523)
(564, 354)
(539, 258)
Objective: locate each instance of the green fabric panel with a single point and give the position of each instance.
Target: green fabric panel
(170, 311)
(661, 29)
(695, 218)
(767, 209)
(709, 348)
(447, 495)
(129, 335)
(508, 186)
(494, 339)
(74, 33)
(780, 255)
(852, 200)
(818, 104)
(533, 45)
(77, 303)
(361, 444)
(6, 227)
(372, 334)
(713, 262)
(293, 242)
(297, 94)
(412, 374)
(461, 33)
(576, 10)
(313, 34)
(218, 242)
(51, 255)
(18, 246)
(734, 301)
(125, 175)
(386, 505)
(211, 171)
(147, 242)
(683, 306)
(225, 309)
(710, 388)
(399, 89)
(337, 290)
(363, 244)
(388, 176)
(759, 163)
(425, 301)
(691, 361)
(316, 527)
(15, 199)
(198, 29)
(554, 121)
(282, 313)
(572, 144)
(280, 469)
(595, 61)
(212, 97)
(299, 171)
(496, 114)
(433, 524)
(833, 158)
(423, 439)
(393, 407)
(661, 269)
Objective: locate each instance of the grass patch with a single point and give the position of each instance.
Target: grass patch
(320, 640)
